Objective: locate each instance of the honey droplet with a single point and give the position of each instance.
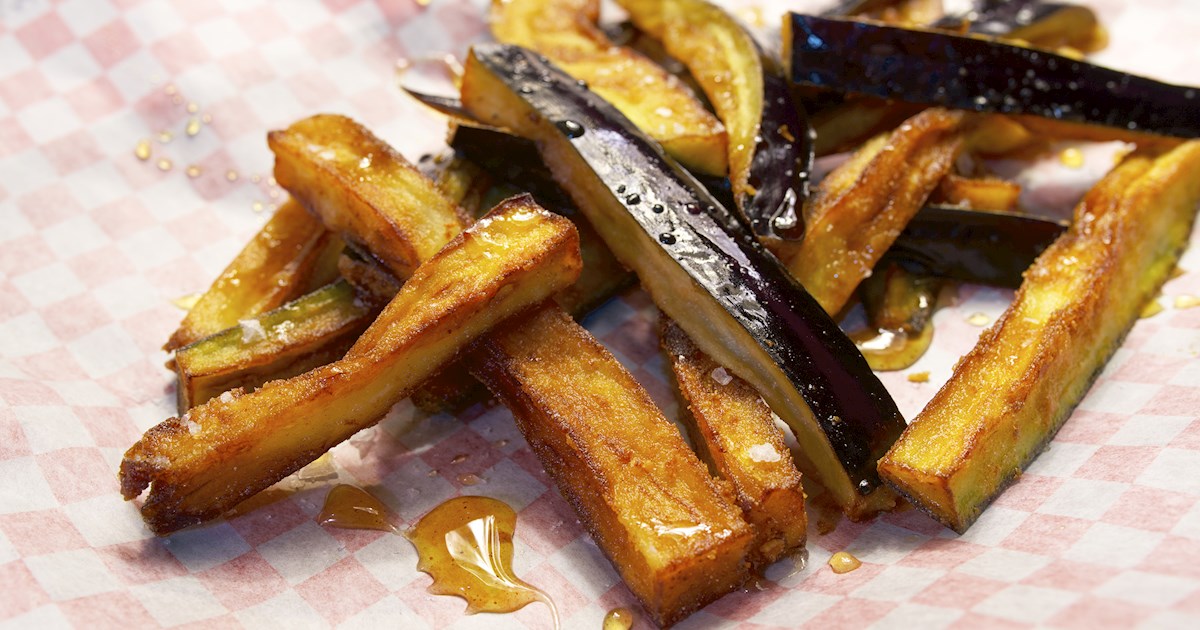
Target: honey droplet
(231, 175)
(843, 562)
(207, 118)
(351, 507)
(1151, 309)
(460, 458)
(470, 479)
(142, 150)
(918, 377)
(257, 206)
(979, 319)
(170, 89)
(500, 443)
(193, 171)
(1186, 301)
(432, 472)
(1071, 157)
(164, 164)
(186, 302)
(466, 546)
(193, 126)
(192, 108)
(165, 136)
(619, 619)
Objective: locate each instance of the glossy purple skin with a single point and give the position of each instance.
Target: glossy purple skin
(780, 168)
(993, 248)
(933, 68)
(714, 246)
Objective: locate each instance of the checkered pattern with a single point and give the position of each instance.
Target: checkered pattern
(95, 243)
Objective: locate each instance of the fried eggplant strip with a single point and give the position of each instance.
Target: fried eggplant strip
(656, 101)
(274, 267)
(1012, 392)
(670, 530)
(702, 266)
(770, 148)
(362, 189)
(226, 450)
(861, 208)
(734, 430)
(312, 330)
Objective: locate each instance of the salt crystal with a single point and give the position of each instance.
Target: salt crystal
(227, 397)
(763, 453)
(721, 376)
(252, 330)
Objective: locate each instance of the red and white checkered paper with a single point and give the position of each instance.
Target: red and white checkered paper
(1103, 529)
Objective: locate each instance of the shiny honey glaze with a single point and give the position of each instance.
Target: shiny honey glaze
(350, 507)
(466, 546)
(619, 619)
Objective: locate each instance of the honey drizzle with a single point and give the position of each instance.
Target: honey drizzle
(351, 507)
(466, 546)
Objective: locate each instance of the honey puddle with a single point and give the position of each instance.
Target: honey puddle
(466, 546)
(350, 507)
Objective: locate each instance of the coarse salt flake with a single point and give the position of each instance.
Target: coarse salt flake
(252, 330)
(721, 376)
(763, 453)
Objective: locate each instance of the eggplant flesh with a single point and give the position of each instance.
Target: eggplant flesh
(701, 265)
(982, 75)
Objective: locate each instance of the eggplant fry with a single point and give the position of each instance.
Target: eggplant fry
(702, 266)
(362, 189)
(281, 262)
(206, 462)
(981, 75)
(310, 331)
(671, 530)
(658, 102)
(861, 208)
(770, 148)
(986, 193)
(1012, 392)
(735, 432)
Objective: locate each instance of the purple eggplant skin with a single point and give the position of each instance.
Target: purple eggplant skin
(781, 167)
(993, 248)
(714, 248)
(983, 75)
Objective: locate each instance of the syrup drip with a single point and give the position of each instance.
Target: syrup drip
(351, 507)
(892, 348)
(466, 546)
(619, 619)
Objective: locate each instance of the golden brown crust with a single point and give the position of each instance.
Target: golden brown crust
(669, 528)
(1012, 392)
(361, 188)
(271, 269)
(657, 102)
(732, 425)
(204, 463)
(860, 210)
